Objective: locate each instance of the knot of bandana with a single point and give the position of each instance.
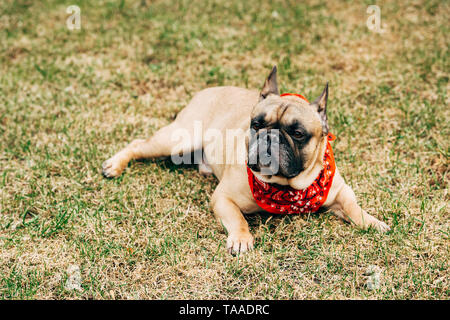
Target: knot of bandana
(281, 199)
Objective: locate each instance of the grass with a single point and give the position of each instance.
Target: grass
(70, 99)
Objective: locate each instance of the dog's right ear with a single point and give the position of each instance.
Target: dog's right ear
(270, 86)
(320, 104)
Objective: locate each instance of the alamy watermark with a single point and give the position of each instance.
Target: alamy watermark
(214, 146)
(374, 20)
(74, 20)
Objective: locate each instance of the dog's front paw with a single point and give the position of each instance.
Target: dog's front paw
(239, 243)
(381, 226)
(113, 167)
(378, 225)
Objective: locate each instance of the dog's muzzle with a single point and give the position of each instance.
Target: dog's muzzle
(264, 152)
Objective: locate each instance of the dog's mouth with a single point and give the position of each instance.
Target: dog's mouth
(268, 172)
(271, 179)
(265, 170)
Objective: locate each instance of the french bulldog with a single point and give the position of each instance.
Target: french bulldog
(297, 133)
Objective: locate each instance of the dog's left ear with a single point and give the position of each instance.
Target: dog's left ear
(321, 106)
(270, 85)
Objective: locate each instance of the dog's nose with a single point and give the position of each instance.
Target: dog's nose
(268, 147)
(263, 150)
(271, 141)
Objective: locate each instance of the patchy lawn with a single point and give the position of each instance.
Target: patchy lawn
(70, 99)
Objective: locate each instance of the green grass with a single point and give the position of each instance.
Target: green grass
(70, 99)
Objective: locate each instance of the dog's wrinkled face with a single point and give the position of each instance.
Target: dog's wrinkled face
(287, 130)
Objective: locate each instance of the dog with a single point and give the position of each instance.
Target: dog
(295, 130)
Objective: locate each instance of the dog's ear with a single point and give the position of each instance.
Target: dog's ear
(321, 106)
(270, 85)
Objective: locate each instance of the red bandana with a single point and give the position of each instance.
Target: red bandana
(276, 198)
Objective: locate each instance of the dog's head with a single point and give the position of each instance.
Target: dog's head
(287, 136)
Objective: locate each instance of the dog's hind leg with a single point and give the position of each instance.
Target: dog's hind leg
(203, 167)
(183, 136)
(170, 140)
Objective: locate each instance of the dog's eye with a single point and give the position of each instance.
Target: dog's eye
(297, 134)
(256, 125)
